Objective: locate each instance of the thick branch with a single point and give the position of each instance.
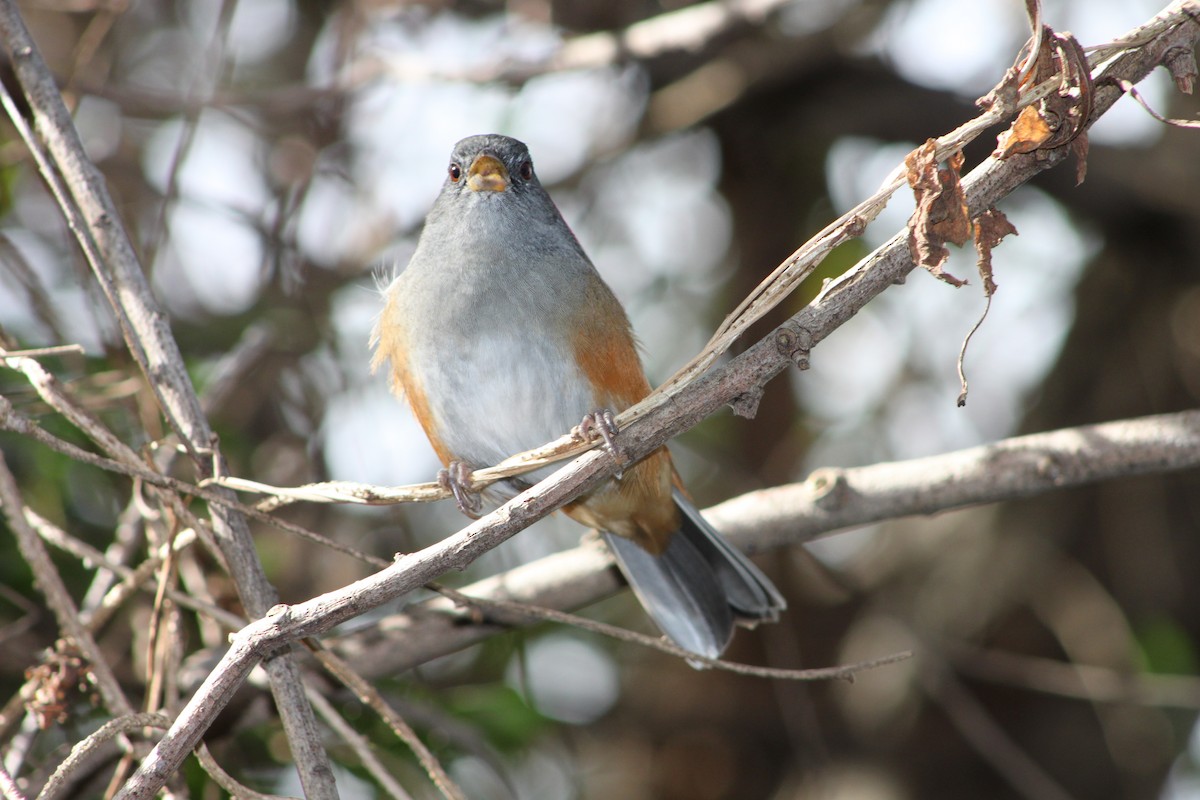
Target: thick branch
(1023, 466)
(742, 377)
(830, 500)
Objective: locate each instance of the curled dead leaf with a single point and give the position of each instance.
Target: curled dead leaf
(941, 215)
(990, 227)
(1061, 117)
(1029, 131)
(1079, 148)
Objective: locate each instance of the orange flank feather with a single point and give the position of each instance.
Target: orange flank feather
(638, 506)
(390, 346)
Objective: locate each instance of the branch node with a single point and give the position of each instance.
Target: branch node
(856, 226)
(1181, 63)
(829, 488)
(794, 343)
(746, 403)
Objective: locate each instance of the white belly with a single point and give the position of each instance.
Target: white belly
(498, 395)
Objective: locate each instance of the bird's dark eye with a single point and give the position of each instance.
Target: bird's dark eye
(455, 172)
(526, 170)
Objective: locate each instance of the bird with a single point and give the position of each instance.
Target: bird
(502, 336)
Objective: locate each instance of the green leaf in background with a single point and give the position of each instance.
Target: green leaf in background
(499, 712)
(1165, 647)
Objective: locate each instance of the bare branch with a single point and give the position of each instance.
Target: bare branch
(688, 29)
(675, 413)
(128, 723)
(774, 289)
(361, 746)
(1015, 468)
(59, 538)
(829, 500)
(369, 695)
(80, 191)
(227, 781)
(987, 737)
(831, 495)
(57, 596)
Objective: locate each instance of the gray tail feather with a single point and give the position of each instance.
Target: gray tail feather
(699, 586)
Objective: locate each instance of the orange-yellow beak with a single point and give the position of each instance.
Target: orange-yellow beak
(487, 174)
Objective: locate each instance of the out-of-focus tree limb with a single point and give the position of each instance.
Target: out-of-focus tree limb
(829, 500)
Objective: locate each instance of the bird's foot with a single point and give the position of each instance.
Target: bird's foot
(601, 425)
(456, 479)
(596, 426)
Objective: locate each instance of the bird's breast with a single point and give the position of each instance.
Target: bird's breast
(498, 393)
(496, 365)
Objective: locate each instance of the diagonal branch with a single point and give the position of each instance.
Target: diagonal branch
(829, 500)
(740, 378)
(1177, 20)
(80, 191)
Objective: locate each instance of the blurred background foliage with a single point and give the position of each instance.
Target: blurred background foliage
(274, 158)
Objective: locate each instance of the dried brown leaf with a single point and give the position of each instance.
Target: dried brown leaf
(1005, 93)
(1079, 146)
(1060, 118)
(990, 227)
(1072, 104)
(52, 686)
(941, 215)
(1028, 132)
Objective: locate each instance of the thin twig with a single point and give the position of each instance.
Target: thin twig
(507, 610)
(1087, 682)
(56, 594)
(133, 467)
(1136, 95)
(8, 787)
(36, 352)
(227, 782)
(369, 695)
(118, 726)
(57, 537)
(83, 197)
(37, 293)
(1178, 13)
(214, 60)
(361, 746)
(1033, 9)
